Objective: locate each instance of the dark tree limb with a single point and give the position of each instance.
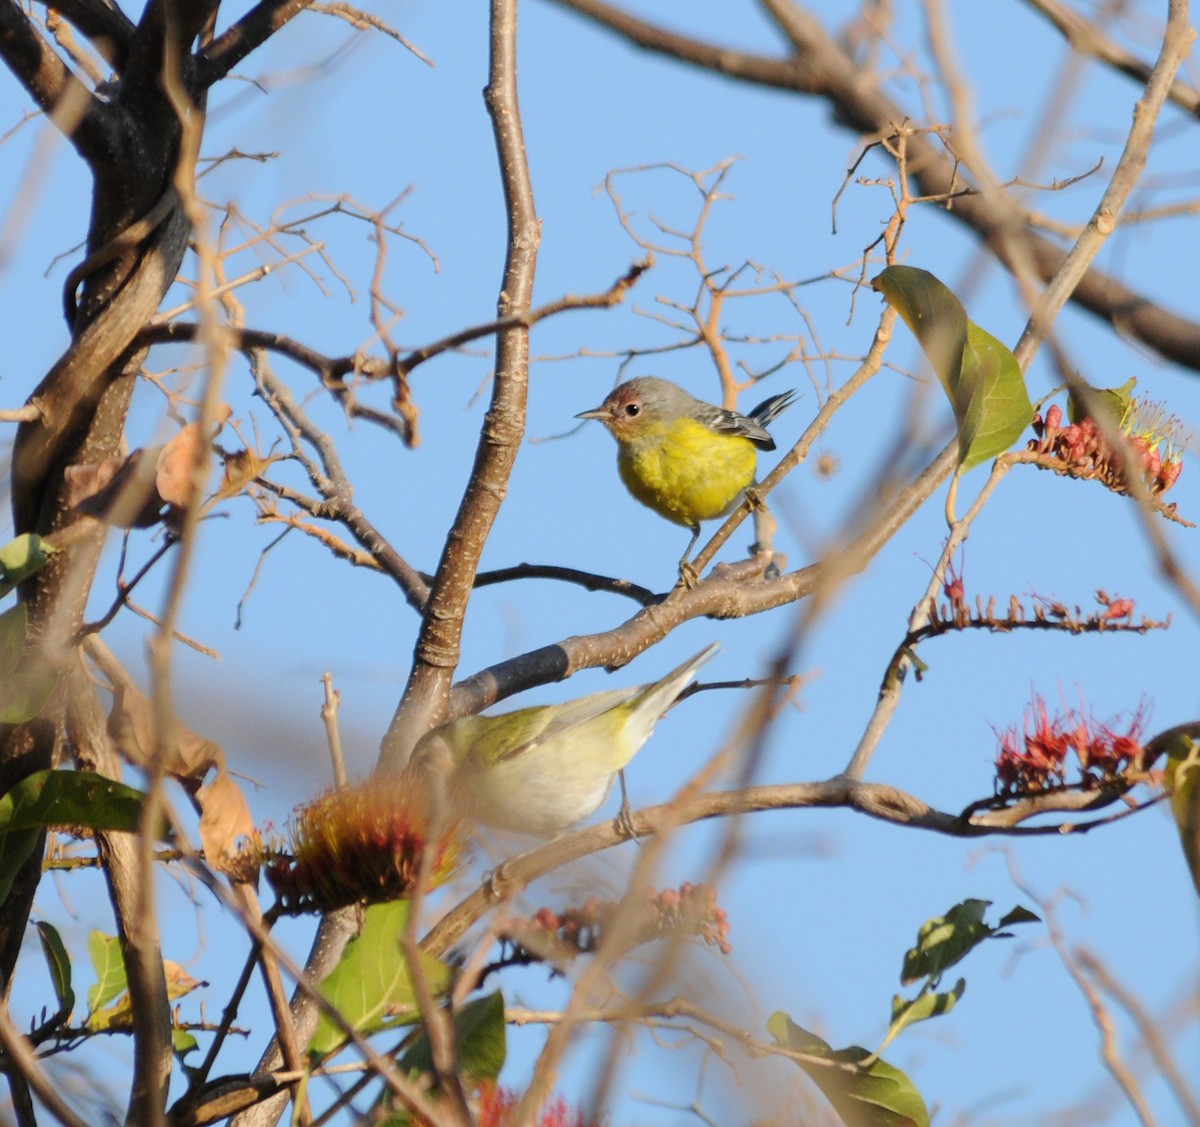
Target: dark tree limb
(107, 28)
(217, 59)
(78, 113)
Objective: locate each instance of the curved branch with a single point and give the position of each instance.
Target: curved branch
(588, 580)
(877, 800)
(730, 592)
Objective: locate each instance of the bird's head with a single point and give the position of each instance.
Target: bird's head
(637, 406)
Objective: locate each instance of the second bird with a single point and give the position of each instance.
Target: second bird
(687, 460)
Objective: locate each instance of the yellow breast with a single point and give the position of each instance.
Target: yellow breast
(686, 472)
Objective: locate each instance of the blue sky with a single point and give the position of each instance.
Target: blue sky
(822, 904)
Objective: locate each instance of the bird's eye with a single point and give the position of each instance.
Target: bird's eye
(632, 409)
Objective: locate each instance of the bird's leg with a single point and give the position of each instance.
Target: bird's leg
(688, 575)
(764, 533)
(624, 819)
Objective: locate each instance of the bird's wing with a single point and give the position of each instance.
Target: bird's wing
(724, 421)
(539, 724)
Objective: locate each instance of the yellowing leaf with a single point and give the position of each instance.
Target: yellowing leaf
(979, 374)
(865, 1091)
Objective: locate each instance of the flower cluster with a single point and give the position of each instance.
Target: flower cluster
(363, 844)
(1081, 449)
(495, 1107)
(1036, 757)
(690, 909)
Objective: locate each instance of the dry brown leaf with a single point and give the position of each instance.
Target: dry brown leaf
(131, 726)
(120, 490)
(179, 982)
(225, 824)
(131, 491)
(176, 469)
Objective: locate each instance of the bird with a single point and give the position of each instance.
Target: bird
(687, 460)
(543, 769)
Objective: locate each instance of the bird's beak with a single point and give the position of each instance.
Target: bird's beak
(594, 413)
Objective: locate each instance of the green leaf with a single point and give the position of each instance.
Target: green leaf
(59, 798)
(182, 1042)
(26, 678)
(70, 798)
(21, 558)
(59, 963)
(109, 965)
(479, 1033)
(26, 694)
(1182, 781)
(13, 624)
(371, 986)
(997, 407)
(943, 940)
(864, 1090)
(979, 374)
(927, 1004)
(15, 850)
(1112, 402)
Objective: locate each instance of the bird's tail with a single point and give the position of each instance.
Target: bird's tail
(769, 409)
(660, 695)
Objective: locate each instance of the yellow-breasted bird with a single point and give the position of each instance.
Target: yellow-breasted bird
(540, 770)
(686, 459)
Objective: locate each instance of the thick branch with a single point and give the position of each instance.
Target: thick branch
(728, 593)
(1085, 37)
(31, 58)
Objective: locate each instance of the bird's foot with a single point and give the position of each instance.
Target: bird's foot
(623, 822)
(688, 575)
(769, 562)
(498, 885)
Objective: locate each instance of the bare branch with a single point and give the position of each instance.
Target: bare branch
(104, 24)
(877, 800)
(1085, 37)
(819, 66)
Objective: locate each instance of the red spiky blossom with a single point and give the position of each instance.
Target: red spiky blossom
(1035, 757)
(1083, 450)
(495, 1105)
